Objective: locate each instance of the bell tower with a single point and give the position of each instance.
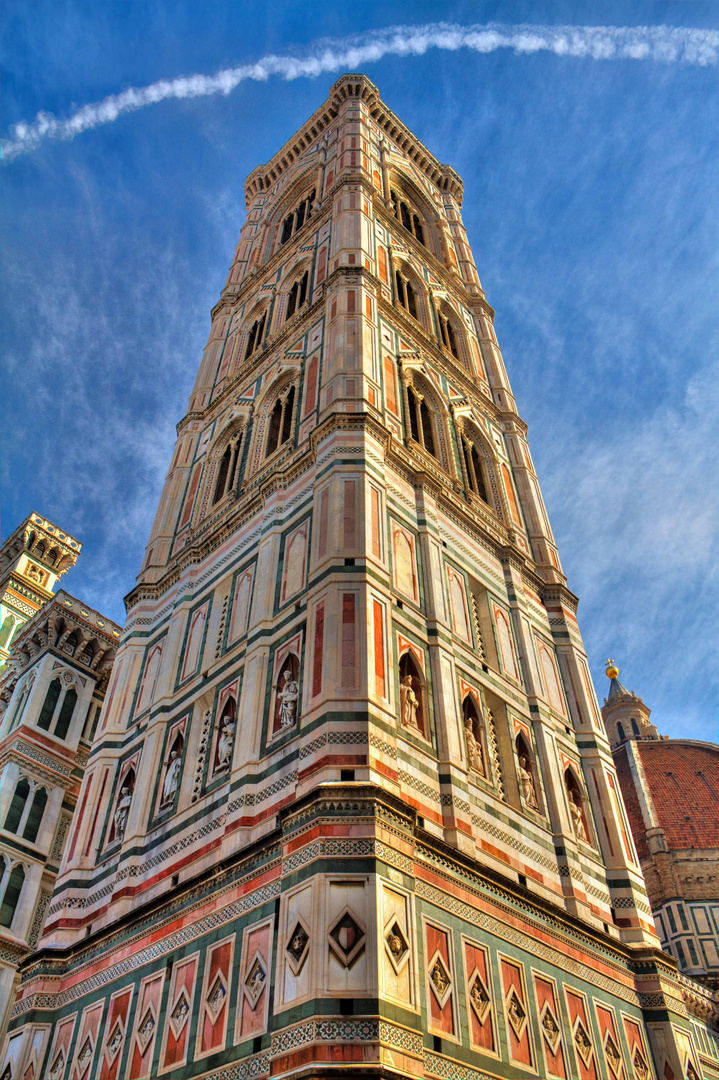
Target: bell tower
(351, 801)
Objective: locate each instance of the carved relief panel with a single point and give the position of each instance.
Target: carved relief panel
(397, 960)
(253, 992)
(481, 1012)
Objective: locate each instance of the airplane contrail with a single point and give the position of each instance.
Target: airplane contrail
(664, 44)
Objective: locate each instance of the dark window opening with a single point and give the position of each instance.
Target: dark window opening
(14, 814)
(66, 711)
(298, 295)
(427, 433)
(294, 221)
(256, 334)
(406, 295)
(222, 475)
(48, 708)
(12, 895)
(281, 422)
(473, 465)
(407, 217)
(34, 818)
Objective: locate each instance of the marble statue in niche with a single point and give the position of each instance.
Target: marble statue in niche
(288, 696)
(122, 809)
(172, 771)
(409, 703)
(411, 696)
(226, 736)
(526, 781)
(575, 808)
(472, 736)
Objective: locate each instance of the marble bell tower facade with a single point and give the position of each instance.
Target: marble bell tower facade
(351, 804)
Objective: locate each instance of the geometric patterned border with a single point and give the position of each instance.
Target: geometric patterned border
(452, 1070)
(246, 1069)
(324, 1031)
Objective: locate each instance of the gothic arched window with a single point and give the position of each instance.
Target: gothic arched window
(13, 883)
(421, 421)
(227, 472)
(48, 707)
(294, 221)
(17, 806)
(473, 466)
(407, 216)
(297, 295)
(66, 710)
(35, 816)
(257, 333)
(280, 425)
(6, 631)
(406, 294)
(447, 334)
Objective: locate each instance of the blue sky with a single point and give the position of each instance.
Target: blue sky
(591, 206)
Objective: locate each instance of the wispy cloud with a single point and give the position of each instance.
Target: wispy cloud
(658, 43)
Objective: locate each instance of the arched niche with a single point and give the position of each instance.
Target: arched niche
(412, 695)
(577, 805)
(287, 702)
(527, 774)
(474, 735)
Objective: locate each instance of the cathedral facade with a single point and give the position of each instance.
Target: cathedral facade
(350, 804)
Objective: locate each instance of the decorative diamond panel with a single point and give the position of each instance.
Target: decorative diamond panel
(114, 1043)
(216, 997)
(550, 1028)
(347, 937)
(256, 979)
(57, 1068)
(439, 979)
(583, 1043)
(614, 1058)
(640, 1066)
(146, 1030)
(179, 1015)
(515, 1013)
(84, 1058)
(479, 996)
(396, 945)
(297, 947)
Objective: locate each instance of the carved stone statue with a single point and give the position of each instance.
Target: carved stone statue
(575, 808)
(475, 758)
(288, 696)
(121, 811)
(225, 743)
(526, 780)
(172, 777)
(409, 703)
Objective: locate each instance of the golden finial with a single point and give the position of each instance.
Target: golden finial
(612, 671)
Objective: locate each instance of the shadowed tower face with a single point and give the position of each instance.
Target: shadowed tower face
(350, 780)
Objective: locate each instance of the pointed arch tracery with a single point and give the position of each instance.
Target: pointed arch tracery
(275, 418)
(478, 464)
(414, 212)
(425, 417)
